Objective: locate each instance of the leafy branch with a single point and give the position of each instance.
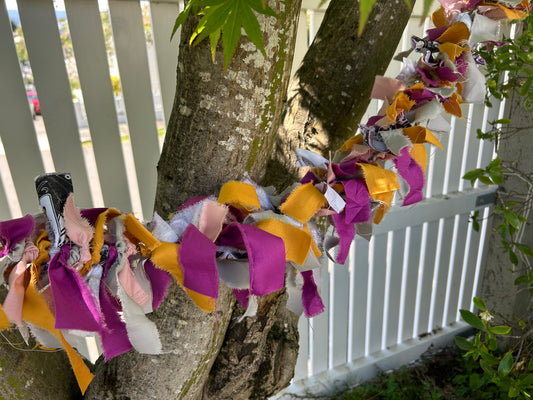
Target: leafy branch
(223, 20)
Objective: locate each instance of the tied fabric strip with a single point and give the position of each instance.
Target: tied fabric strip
(266, 256)
(413, 175)
(75, 305)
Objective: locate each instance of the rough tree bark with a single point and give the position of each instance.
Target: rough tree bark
(331, 90)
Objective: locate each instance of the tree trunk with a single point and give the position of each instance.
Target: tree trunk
(331, 90)
(222, 126)
(497, 286)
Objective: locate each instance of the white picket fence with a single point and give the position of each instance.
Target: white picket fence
(394, 297)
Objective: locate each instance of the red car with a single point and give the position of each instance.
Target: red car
(35, 101)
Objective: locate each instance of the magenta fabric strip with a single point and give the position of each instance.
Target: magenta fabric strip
(114, 337)
(346, 232)
(309, 177)
(91, 214)
(413, 175)
(434, 33)
(160, 281)
(75, 304)
(266, 256)
(14, 231)
(197, 257)
(242, 296)
(311, 300)
(357, 201)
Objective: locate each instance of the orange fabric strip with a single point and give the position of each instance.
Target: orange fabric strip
(239, 194)
(452, 50)
(4, 321)
(420, 155)
(37, 312)
(420, 134)
(439, 18)
(297, 242)
(303, 203)
(357, 139)
(140, 233)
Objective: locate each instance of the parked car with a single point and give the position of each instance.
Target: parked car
(35, 101)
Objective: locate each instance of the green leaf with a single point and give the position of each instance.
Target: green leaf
(512, 218)
(251, 26)
(473, 175)
(494, 163)
(503, 121)
(513, 392)
(496, 176)
(231, 33)
(214, 18)
(472, 319)
(479, 303)
(427, 5)
(183, 16)
(463, 343)
(525, 249)
(365, 6)
(513, 257)
(500, 330)
(486, 367)
(526, 86)
(486, 180)
(213, 39)
(527, 381)
(506, 364)
(258, 6)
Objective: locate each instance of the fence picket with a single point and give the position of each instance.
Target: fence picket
(319, 327)
(163, 15)
(41, 35)
(410, 284)
(359, 290)
(452, 297)
(377, 292)
(339, 305)
(395, 287)
(427, 270)
(17, 129)
(89, 48)
(130, 46)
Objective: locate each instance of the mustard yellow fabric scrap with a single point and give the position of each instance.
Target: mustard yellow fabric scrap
(452, 50)
(381, 184)
(357, 139)
(303, 203)
(420, 155)
(456, 33)
(36, 311)
(239, 194)
(4, 321)
(401, 103)
(439, 18)
(297, 242)
(314, 247)
(165, 257)
(140, 233)
(420, 134)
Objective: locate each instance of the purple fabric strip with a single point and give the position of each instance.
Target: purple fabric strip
(413, 175)
(74, 302)
(434, 33)
(197, 257)
(160, 281)
(420, 96)
(266, 256)
(309, 177)
(115, 337)
(311, 300)
(242, 296)
(345, 169)
(346, 232)
(91, 214)
(192, 201)
(446, 74)
(14, 231)
(357, 201)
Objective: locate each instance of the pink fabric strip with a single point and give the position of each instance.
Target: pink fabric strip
(212, 218)
(78, 229)
(127, 279)
(15, 297)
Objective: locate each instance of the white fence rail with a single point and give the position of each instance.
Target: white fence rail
(394, 296)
